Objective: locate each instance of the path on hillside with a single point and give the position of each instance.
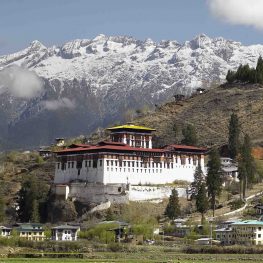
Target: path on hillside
(247, 201)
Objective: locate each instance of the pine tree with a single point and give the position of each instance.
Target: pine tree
(202, 203)
(173, 208)
(28, 195)
(233, 136)
(2, 209)
(2, 205)
(35, 212)
(231, 76)
(214, 177)
(259, 70)
(246, 166)
(175, 132)
(190, 135)
(198, 180)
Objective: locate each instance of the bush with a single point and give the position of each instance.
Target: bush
(236, 249)
(236, 204)
(143, 229)
(100, 233)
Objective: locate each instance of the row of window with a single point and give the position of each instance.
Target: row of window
(133, 170)
(29, 233)
(248, 228)
(139, 164)
(128, 164)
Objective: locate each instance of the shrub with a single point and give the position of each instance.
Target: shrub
(236, 204)
(100, 233)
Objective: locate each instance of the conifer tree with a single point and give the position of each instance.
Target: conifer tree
(34, 217)
(259, 70)
(2, 209)
(231, 76)
(2, 205)
(246, 166)
(233, 136)
(214, 177)
(173, 208)
(175, 131)
(202, 203)
(190, 135)
(198, 180)
(32, 200)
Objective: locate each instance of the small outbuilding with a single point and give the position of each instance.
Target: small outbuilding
(5, 231)
(65, 233)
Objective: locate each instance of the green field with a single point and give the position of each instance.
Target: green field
(146, 257)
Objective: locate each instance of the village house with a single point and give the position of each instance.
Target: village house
(127, 159)
(224, 235)
(31, 231)
(248, 232)
(230, 170)
(259, 209)
(5, 231)
(65, 233)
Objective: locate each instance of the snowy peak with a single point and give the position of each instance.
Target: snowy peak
(98, 80)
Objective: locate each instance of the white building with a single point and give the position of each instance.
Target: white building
(224, 235)
(230, 170)
(65, 233)
(5, 231)
(248, 232)
(128, 159)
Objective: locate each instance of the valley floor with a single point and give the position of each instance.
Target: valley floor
(147, 257)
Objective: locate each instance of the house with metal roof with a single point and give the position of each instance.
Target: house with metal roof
(31, 231)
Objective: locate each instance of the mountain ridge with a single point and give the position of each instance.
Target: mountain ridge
(90, 83)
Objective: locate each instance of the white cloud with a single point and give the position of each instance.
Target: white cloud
(57, 104)
(20, 82)
(239, 12)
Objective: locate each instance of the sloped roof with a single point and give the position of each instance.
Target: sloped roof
(248, 222)
(185, 147)
(66, 227)
(131, 126)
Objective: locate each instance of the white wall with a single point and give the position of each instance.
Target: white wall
(115, 174)
(118, 193)
(143, 193)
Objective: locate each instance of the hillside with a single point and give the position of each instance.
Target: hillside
(210, 113)
(90, 83)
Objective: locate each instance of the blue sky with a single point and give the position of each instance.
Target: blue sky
(54, 22)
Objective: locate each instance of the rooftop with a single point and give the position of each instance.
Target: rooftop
(65, 227)
(248, 222)
(129, 127)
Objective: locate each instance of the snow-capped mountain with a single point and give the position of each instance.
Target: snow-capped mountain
(91, 83)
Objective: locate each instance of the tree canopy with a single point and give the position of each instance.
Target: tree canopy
(214, 177)
(245, 74)
(246, 165)
(233, 136)
(33, 200)
(173, 208)
(190, 135)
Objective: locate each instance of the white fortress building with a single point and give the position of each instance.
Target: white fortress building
(126, 162)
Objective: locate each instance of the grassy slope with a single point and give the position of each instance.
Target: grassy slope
(210, 113)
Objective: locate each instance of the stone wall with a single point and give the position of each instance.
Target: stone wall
(117, 193)
(144, 193)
